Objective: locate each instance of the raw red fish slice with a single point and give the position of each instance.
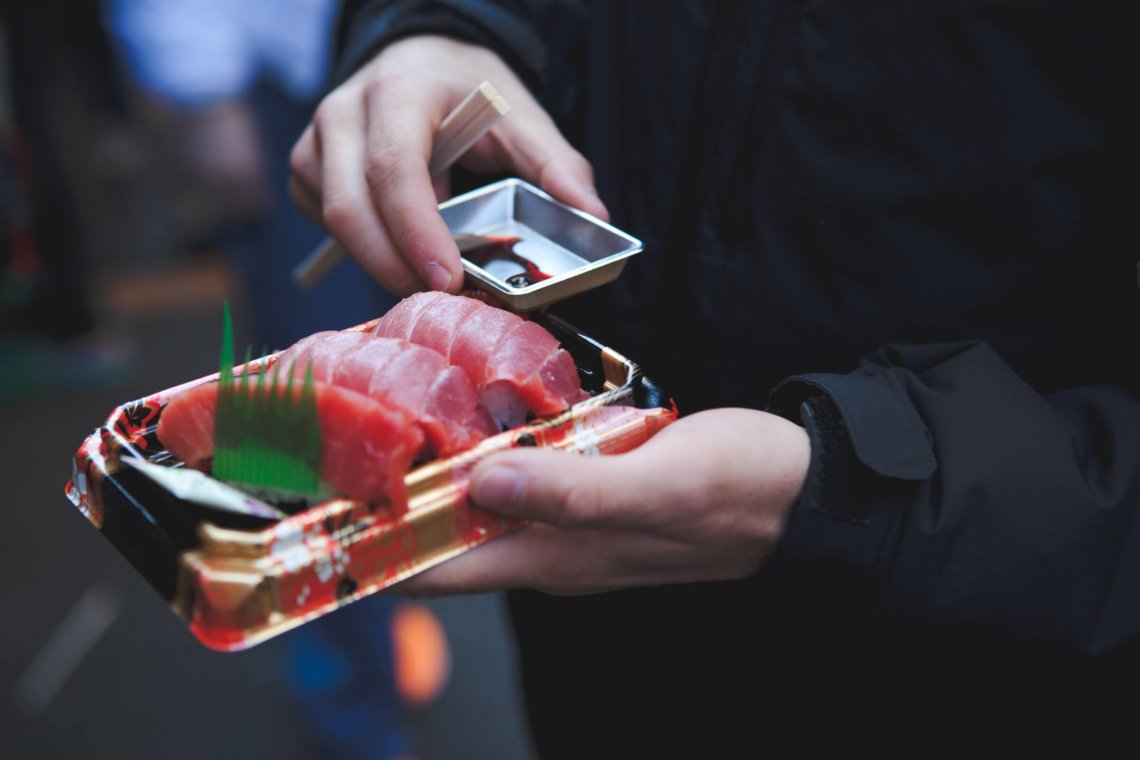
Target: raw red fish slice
(440, 396)
(516, 364)
(437, 324)
(413, 378)
(453, 397)
(401, 318)
(355, 368)
(326, 353)
(317, 348)
(366, 446)
(521, 352)
(407, 378)
(188, 432)
(555, 378)
(476, 339)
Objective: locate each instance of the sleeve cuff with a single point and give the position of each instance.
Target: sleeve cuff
(471, 21)
(885, 430)
(868, 448)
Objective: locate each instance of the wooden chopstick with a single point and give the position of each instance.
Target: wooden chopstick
(461, 128)
(458, 131)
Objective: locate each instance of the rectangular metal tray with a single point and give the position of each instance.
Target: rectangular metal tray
(239, 579)
(577, 250)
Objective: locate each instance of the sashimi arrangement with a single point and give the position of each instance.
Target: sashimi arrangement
(439, 398)
(439, 374)
(517, 366)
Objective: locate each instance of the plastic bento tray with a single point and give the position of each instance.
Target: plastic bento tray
(238, 579)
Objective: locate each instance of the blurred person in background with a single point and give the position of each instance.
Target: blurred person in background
(235, 83)
(51, 53)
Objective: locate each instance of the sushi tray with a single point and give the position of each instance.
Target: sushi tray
(239, 567)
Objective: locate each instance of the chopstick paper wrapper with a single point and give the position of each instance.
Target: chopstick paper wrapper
(461, 129)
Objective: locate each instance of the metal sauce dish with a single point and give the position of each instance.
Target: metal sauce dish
(571, 250)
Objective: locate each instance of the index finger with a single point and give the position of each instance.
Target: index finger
(400, 135)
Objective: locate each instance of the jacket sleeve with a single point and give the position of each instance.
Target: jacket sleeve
(948, 498)
(532, 36)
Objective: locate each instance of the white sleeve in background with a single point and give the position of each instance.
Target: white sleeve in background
(195, 52)
(188, 52)
(293, 40)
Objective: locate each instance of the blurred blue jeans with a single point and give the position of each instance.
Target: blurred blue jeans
(340, 666)
(341, 669)
(266, 252)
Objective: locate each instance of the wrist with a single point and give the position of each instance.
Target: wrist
(799, 453)
(482, 29)
(420, 52)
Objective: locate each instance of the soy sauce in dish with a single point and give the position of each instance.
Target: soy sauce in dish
(502, 248)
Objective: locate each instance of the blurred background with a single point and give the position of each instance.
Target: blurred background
(143, 160)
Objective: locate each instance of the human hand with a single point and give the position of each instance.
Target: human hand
(360, 168)
(705, 499)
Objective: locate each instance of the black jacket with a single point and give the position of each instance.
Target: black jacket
(903, 223)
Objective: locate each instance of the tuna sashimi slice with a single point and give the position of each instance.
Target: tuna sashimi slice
(318, 348)
(436, 325)
(413, 378)
(516, 364)
(355, 368)
(441, 397)
(476, 340)
(366, 446)
(556, 379)
(407, 378)
(451, 399)
(520, 353)
(401, 318)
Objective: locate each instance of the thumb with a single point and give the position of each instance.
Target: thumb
(561, 488)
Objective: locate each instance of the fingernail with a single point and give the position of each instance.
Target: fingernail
(436, 277)
(499, 488)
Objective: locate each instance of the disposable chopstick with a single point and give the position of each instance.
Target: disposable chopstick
(482, 107)
(458, 131)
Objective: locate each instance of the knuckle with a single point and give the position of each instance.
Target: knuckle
(328, 111)
(406, 232)
(388, 82)
(382, 167)
(338, 213)
(580, 504)
(378, 85)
